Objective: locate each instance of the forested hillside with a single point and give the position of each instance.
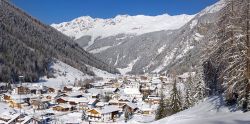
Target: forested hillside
(227, 67)
(28, 47)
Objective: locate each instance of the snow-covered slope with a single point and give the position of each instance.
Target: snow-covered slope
(121, 24)
(211, 111)
(65, 74)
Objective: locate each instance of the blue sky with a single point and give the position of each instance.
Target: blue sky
(56, 11)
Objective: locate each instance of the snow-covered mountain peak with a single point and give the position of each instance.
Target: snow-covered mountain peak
(121, 24)
(213, 8)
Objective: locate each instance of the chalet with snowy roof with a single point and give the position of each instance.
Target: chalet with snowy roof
(155, 81)
(51, 90)
(121, 101)
(62, 107)
(19, 101)
(147, 109)
(76, 94)
(67, 89)
(100, 105)
(132, 107)
(61, 100)
(152, 99)
(103, 115)
(40, 104)
(132, 92)
(92, 102)
(110, 90)
(21, 90)
(9, 117)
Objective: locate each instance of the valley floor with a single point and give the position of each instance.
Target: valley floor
(210, 111)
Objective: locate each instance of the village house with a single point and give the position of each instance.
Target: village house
(51, 90)
(132, 92)
(67, 89)
(37, 89)
(103, 115)
(9, 117)
(63, 108)
(18, 101)
(147, 109)
(120, 102)
(40, 104)
(61, 100)
(131, 107)
(152, 99)
(21, 90)
(156, 81)
(92, 102)
(100, 105)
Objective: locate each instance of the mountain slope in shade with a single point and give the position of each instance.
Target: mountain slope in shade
(28, 47)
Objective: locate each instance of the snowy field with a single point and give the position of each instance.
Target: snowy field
(211, 111)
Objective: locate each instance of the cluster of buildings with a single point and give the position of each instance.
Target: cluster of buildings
(102, 101)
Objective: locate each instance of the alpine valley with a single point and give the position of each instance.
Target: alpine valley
(173, 69)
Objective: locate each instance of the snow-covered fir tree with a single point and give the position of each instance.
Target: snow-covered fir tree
(175, 98)
(199, 91)
(188, 101)
(161, 110)
(189, 92)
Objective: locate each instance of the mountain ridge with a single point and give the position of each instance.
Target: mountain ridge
(121, 24)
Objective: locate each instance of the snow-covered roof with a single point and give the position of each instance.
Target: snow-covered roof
(156, 80)
(108, 109)
(132, 91)
(147, 107)
(25, 119)
(125, 98)
(91, 101)
(9, 116)
(100, 104)
(113, 101)
(64, 105)
(78, 100)
(186, 75)
(109, 89)
(94, 91)
(153, 97)
(17, 97)
(132, 105)
(72, 94)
